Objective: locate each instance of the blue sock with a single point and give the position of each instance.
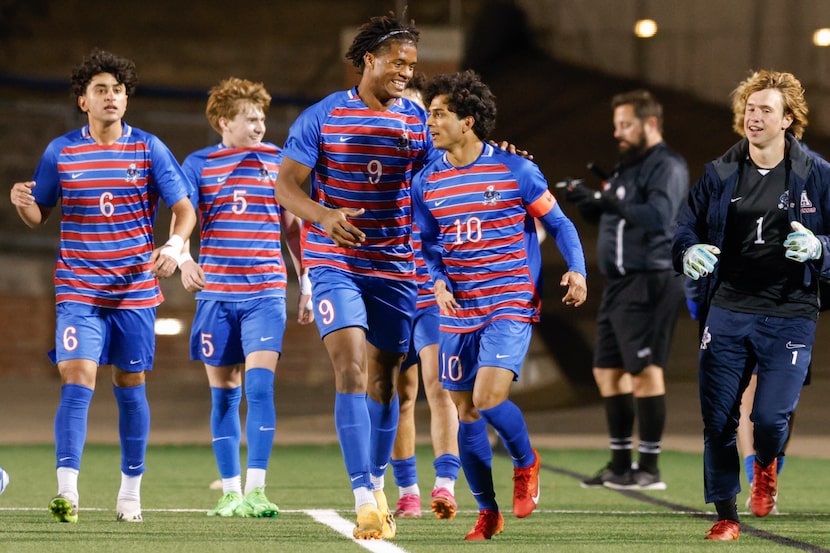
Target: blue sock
(507, 419)
(405, 472)
(70, 425)
(351, 419)
(133, 427)
(446, 466)
(749, 466)
(225, 429)
(477, 460)
(262, 416)
(780, 464)
(384, 427)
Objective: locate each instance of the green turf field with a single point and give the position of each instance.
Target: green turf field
(310, 486)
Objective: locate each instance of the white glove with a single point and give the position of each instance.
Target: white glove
(802, 245)
(699, 260)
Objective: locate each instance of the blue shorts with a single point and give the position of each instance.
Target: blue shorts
(125, 338)
(502, 343)
(425, 332)
(382, 307)
(225, 332)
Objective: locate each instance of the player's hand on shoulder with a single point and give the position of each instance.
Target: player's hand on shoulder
(511, 148)
(337, 226)
(577, 288)
(21, 194)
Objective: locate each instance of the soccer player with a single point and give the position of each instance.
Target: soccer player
(240, 283)
(360, 148)
(475, 206)
(108, 177)
(754, 234)
(423, 356)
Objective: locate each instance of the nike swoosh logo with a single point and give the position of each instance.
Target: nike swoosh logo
(439, 202)
(345, 138)
(76, 175)
(64, 458)
(135, 467)
(401, 342)
(221, 438)
(733, 200)
(220, 180)
(790, 345)
(135, 361)
(265, 338)
(263, 429)
(501, 355)
(355, 478)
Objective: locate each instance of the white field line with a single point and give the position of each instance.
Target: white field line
(344, 527)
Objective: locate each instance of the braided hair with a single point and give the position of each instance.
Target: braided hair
(377, 33)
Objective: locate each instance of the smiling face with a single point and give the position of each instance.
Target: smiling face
(765, 123)
(104, 99)
(246, 129)
(387, 71)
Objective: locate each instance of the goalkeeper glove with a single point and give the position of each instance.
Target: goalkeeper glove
(802, 245)
(699, 260)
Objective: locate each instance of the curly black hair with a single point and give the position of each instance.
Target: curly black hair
(466, 95)
(377, 33)
(101, 61)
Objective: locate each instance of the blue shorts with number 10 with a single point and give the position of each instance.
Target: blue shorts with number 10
(382, 307)
(501, 343)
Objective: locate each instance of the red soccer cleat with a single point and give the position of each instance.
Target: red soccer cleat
(526, 487)
(443, 504)
(489, 524)
(764, 489)
(724, 530)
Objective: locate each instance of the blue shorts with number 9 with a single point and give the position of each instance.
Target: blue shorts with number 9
(382, 307)
(122, 337)
(502, 343)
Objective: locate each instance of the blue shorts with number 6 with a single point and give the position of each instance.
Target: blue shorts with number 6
(122, 337)
(501, 343)
(225, 332)
(383, 307)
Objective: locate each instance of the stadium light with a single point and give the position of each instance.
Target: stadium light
(168, 327)
(645, 28)
(821, 37)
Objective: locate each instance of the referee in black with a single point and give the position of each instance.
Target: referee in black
(636, 211)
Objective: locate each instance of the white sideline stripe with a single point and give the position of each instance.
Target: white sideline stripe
(342, 526)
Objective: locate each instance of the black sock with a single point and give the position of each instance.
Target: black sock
(619, 411)
(727, 509)
(651, 420)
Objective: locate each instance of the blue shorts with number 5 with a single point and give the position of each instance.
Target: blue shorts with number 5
(501, 343)
(383, 307)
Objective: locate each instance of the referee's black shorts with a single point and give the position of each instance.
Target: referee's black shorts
(636, 320)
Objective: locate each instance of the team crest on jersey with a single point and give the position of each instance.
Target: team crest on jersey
(705, 339)
(784, 199)
(132, 174)
(266, 175)
(806, 205)
(491, 195)
(403, 143)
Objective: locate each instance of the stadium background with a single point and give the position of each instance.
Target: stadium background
(553, 66)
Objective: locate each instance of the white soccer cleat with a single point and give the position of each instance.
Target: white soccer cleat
(129, 510)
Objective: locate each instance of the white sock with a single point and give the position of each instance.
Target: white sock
(130, 488)
(377, 482)
(444, 482)
(68, 483)
(409, 490)
(232, 484)
(362, 496)
(254, 478)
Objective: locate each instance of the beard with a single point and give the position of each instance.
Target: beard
(631, 151)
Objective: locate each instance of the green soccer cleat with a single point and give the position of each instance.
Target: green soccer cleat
(256, 505)
(227, 506)
(63, 509)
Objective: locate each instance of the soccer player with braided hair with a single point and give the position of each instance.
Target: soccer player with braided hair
(360, 148)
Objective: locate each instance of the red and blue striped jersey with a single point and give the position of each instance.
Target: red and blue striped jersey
(109, 195)
(239, 248)
(426, 297)
(475, 233)
(362, 158)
